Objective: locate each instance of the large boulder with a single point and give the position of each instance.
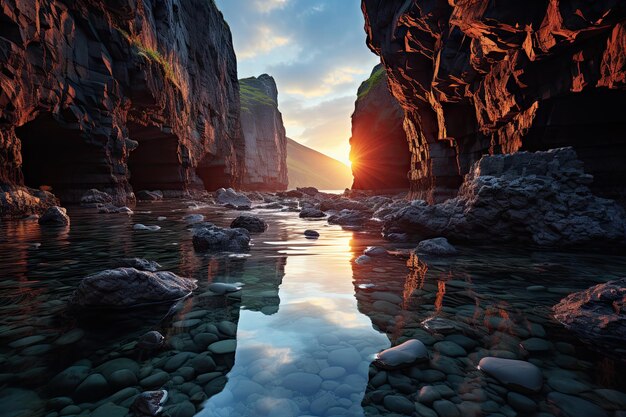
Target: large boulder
(55, 216)
(252, 224)
(93, 197)
(349, 218)
(231, 198)
(208, 237)
(146, 195)
(540, 197)
(597, 315)
(130, 287)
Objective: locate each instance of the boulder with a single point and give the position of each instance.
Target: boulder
(141, 264)
(514, 374)
(223, 288)
(151, 340)
(55, 216)
(597, 315)
(402, 356)
(311, 213)
(145, 195)
(93, 197)
(540, 197)
(252, 224)
(231, 198)
(208, 237)
(349, 218)
(149, 403)
(130, 287)
(311, 234)
(436, 246)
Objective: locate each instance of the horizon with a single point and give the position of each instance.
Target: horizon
(316, 52)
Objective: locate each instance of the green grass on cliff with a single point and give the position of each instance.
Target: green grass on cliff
(252, 96)
(152, 55)
(374, 79)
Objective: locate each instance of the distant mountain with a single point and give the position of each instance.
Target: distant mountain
(309, 168)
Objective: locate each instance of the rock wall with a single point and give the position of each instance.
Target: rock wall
(116, 95)
(477, 76)
(264, 133)
(379, 152)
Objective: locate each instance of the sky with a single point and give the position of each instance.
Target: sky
(316, 52)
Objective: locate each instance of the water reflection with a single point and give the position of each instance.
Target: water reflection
(312, 356)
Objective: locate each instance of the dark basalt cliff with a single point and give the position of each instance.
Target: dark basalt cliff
(477, 76)
(264, 134)
(379, 152)
(115, 95)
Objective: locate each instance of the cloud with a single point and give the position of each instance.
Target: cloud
(266, 6)
(263, 40)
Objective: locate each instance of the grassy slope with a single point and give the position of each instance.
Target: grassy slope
(307, 167)
(251, 96)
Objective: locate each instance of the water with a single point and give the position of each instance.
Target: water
(308, 322)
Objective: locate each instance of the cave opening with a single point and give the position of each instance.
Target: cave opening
(155, 164)
(59, 160)
(212, 172)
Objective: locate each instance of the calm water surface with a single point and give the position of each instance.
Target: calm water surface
(308, 322)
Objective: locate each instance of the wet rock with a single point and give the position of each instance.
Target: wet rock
(252, 224)
(521, 403)
(311, 234)
(223, 347)
(223, 288)
(597, 315)
(446, 408)
(363, 259)
(540, 197)
(428, 395)
(150, 403)
(109, 410)
(129, 287)
(94, 387)
(450, 349)
(152, 228)
(55, 216)
(349, 218)
(514, 374)
(436, 246)
(536, 345)
(67, 380)
(155, 381)
(141, 264)
(193, 218)
(571, 406)
(151, 341)
(399, 404)
(401, 356)
(307, 213)
(146, 195)
(93, 197)
(342, 203)
(375, 251)
(232, 198)
(122, 378)
(439, 325)
(209, 237)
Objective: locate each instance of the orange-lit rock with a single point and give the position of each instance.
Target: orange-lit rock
(117, 96)
(479, 77)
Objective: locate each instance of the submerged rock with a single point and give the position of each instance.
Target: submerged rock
(193, 218)
(55, 216)
(375, 251)
(436, 246)
(223, 288)
(311, 213)
(209, 237)
(141, 264)
(129, 287)
(232, 198)
(150, 403)
(311, 234)
(151, 341)
(541, 197)
(597, 314)
(252, 224)
(403, 355)
(152, 228)
(514, 374)
(94, 196)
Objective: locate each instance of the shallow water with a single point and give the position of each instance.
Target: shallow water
(307, 325)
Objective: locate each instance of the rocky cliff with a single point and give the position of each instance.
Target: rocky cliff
(264, 133)
(115, 95)
(379, 153)
(477, 76)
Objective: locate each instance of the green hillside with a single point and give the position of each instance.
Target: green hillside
(309, 168)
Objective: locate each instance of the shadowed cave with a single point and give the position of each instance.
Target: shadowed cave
(155, 164)
(211, 171)
(60, 158)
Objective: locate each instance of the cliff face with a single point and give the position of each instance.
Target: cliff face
(476, 76)
(117, 95)
(379, 152)
(264, 133)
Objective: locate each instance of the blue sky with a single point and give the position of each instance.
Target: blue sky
(315, 49)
